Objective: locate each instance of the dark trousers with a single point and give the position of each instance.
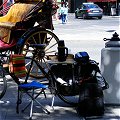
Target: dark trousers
(63, 17)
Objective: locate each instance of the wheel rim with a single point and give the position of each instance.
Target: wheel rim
(40, 37)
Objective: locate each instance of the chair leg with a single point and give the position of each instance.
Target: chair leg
(19, 101)
(52, 104)
(33, 97)
(44, 109)
(31, 110)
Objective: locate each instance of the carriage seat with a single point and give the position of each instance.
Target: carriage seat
(15, 14)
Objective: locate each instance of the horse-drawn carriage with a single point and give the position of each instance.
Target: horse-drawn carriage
(28, 22)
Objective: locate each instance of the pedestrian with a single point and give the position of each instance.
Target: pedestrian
(63, 14)
(66, 13)
(113, 10)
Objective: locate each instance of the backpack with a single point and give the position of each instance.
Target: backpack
(90, 68)
(91, 101)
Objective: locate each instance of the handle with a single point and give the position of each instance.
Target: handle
(105, 39)
(66, 51)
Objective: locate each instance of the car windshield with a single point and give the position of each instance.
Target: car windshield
(91, 6)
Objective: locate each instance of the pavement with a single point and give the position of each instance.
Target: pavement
(62, 111)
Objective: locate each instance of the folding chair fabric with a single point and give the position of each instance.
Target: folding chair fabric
(33, 85)
(26, 88)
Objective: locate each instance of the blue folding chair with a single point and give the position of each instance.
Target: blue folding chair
(29, 89)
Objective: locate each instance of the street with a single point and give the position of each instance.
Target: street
(87, 35)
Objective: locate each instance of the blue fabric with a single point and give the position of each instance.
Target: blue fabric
(82, 57)
(81, 54)
(33, 84)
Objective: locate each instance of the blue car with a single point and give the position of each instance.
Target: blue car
(89, 10)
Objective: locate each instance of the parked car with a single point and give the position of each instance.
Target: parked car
(89, 10)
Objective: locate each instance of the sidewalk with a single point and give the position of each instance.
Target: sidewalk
(61, 110)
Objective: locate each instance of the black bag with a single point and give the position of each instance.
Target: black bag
(91, 69)
(91, 101)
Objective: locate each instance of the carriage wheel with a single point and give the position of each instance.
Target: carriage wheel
(40, 36)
